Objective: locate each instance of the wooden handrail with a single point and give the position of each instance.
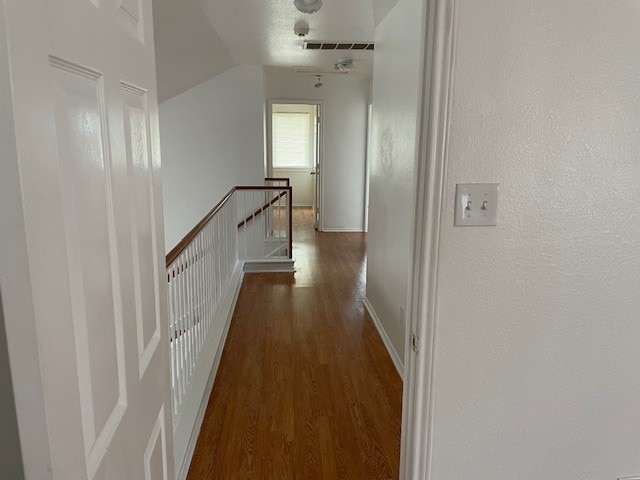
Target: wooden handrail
(188, 238)
(278, 179)
(193, 233)
(263, 208)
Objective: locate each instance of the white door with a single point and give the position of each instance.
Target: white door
(85, 112)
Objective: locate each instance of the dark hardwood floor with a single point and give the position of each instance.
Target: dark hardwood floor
(305, 388)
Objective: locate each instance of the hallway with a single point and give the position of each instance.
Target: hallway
(305, 388)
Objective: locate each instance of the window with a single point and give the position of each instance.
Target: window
(292, 140)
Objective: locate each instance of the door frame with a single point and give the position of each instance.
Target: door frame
(15, 283)
(269, 144)
(439, 36)
(367, 168)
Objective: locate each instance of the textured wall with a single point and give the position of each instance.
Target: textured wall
(538, 330)
(345, 139)
(393, 152)
(212, 138)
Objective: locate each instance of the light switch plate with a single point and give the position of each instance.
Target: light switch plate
(476, 205)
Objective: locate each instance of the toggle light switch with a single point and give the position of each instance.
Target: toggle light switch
(476, 204)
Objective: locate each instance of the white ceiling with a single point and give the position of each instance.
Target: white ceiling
(381, 8)
(260, 32)
(191, 48)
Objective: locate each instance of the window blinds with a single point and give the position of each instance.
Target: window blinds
(291, 140)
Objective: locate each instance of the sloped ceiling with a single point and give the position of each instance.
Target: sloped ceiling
(198, 39)
(189, 51)
(381, 8)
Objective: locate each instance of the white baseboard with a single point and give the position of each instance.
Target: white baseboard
(272, 265)
(189, 424)
(395, 358)
(343, 230)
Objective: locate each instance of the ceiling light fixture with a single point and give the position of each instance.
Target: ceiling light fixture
(308, 6)
(344, 65)
(301, 28)
(319, 82)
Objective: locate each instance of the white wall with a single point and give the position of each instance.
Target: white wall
(302, 184)
(396, 81)
(538, 323)
(212, 138)
(345, 127)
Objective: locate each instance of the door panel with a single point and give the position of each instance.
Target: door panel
(129, 15)
(85, 112)
(139, 166)
(92, 261)
(155, 455)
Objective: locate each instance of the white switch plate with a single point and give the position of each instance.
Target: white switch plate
(476, 204)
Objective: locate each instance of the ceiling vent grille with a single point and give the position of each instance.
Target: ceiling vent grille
(319, 45)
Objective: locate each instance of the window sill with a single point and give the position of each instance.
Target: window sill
(294, 169)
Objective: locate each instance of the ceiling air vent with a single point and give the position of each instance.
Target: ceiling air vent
(319, 45)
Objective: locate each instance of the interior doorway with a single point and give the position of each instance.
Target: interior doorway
(294, 150)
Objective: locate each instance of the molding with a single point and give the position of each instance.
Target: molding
(232, 294)
(284, 265)
(343, 230)
(395, 358)
(429, 219)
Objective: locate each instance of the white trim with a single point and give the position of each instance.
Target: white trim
(18, 297)
(343, 230)
(367, 168)
(395, 358)
(228, 309)
(293, 169)
(436, 92)
(271, 265)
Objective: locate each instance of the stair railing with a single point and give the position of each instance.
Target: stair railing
(251, 224)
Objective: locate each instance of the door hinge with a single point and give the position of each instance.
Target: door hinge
(414, 342)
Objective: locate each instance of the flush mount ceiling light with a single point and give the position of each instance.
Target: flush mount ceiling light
(344, 66)
(319, 82)
(308, 6)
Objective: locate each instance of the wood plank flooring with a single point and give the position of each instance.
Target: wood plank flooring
(305, 388)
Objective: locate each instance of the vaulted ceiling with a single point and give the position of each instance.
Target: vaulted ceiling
(198, 39)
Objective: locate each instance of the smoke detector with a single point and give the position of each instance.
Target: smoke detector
(301, 29)
(319, 83)
(308, 6)
(344, 65)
